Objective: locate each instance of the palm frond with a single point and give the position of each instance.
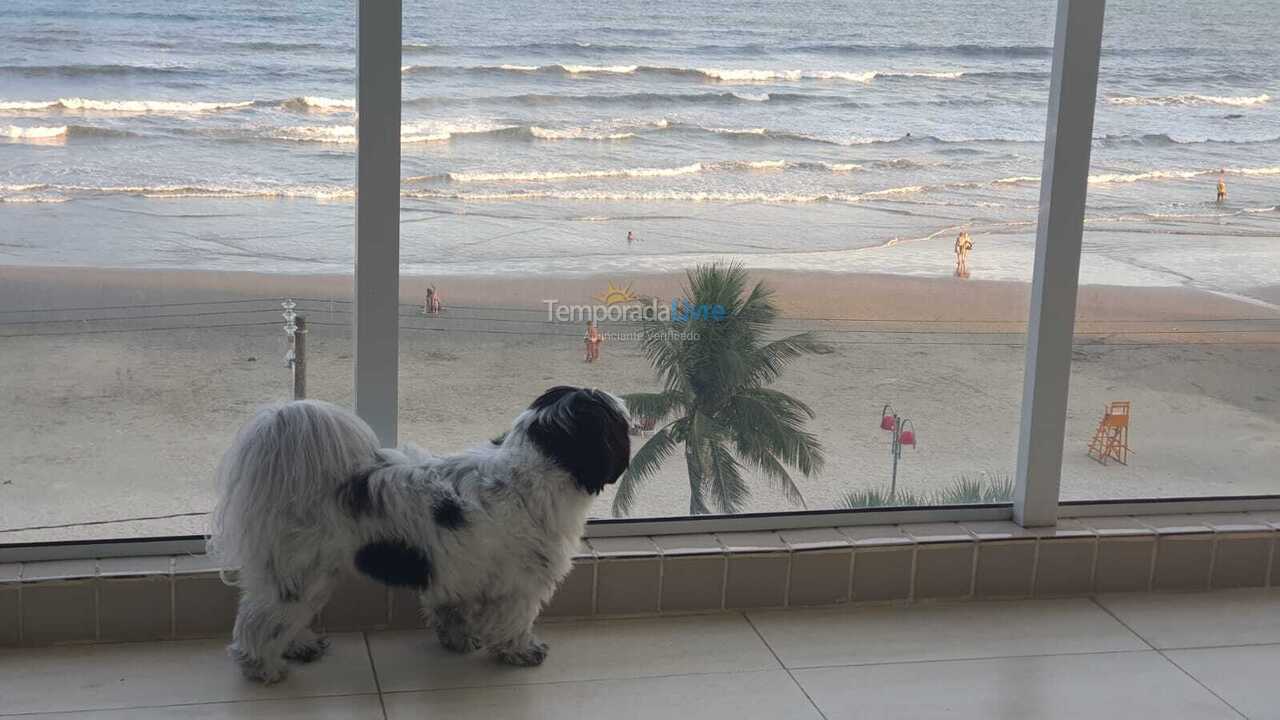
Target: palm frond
(728, 487)
(652, 406)
(643, 465)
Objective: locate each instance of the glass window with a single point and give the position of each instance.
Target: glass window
(1175, 388)
(563, 162)
(168, 176)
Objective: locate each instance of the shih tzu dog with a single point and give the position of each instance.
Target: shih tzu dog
(484, 537)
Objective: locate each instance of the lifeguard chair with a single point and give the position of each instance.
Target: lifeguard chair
(1111, 440)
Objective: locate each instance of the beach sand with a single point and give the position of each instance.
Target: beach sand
(113, 419)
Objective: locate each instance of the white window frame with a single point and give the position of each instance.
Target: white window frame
(1063, 187)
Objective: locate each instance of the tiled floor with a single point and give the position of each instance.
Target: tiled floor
(1201, 656)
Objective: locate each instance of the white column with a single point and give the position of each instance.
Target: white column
(376, 328)
(1064, 180)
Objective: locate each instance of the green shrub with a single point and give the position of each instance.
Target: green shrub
(984, 489)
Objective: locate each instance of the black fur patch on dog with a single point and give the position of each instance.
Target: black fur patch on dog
(583, 432)
(448, 512)
(356, 496)
(395, 562)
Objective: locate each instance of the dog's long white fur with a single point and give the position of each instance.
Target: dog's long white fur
(290, 522)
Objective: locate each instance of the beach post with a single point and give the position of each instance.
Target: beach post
(300, 359)
(295, 331)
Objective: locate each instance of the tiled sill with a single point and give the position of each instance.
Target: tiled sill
(118, 599)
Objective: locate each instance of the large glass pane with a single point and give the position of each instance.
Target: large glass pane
(162, 190)
(1178, 313)
(568, 156)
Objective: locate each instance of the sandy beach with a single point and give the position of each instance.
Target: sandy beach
(123, 418)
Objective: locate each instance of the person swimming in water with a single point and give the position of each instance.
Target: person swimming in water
(1222, 188)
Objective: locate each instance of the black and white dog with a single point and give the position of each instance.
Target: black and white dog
(484, 536)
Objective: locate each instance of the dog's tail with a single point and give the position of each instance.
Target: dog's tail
(280, 474)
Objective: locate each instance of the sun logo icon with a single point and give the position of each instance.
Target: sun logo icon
(617, 295)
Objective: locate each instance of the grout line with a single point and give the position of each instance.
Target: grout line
(968, 658)
(1168, 659)
(238, 701)
(783, 665)
(373, 667)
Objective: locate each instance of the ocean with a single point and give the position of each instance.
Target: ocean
(797, 134)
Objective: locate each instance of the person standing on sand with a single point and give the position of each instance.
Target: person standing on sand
(631, 238)
(592, 341)
(963, 245)
(1222, 188)
(432, 304)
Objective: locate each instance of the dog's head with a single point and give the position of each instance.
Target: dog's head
(582, 430)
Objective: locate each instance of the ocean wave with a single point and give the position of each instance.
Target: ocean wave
(415, 132)
(304, 103)
(91, 70)
(549, 176)
(308, 103)
(708, 74)
(34, 134)
(654, 196)
(51, 192)
(1192, 100)
(577, 133)
(121, 106)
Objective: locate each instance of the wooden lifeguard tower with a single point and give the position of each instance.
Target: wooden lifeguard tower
(1111, 440)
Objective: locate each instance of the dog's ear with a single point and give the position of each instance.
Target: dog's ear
(584, 432)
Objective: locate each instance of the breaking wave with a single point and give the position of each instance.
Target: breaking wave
(1193, 100)
(724, 75)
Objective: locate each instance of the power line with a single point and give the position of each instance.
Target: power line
(140, 329)
(141, 305)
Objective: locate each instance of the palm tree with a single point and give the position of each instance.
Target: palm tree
(715, 365)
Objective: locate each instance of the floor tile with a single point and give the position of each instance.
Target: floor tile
(766, 695)
(1243, 676)
(164, 673)
(1182, 620)
(841, 636)
(1098, 687)
(358, 707)
(595, 650)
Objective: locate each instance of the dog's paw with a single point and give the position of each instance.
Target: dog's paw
(305, 651)
(258, 670)
(454, 639)
(530, 655)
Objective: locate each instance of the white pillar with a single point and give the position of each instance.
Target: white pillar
(1064, 180)
(376, 328)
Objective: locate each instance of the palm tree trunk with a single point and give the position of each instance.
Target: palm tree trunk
(697, 506)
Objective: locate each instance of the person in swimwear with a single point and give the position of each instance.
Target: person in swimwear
(592, 341)
(432, 304)
(1222, 188)
(964, 244)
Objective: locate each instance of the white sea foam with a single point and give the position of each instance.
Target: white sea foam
(35, 134)
(548, 176)
(58, 193)
(654, 196)
(417, 132)
(577, 133)
(1192, 99)
(607, 69)
(326, 104)
(845, 167)
(1016, 180)
(892, 192)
